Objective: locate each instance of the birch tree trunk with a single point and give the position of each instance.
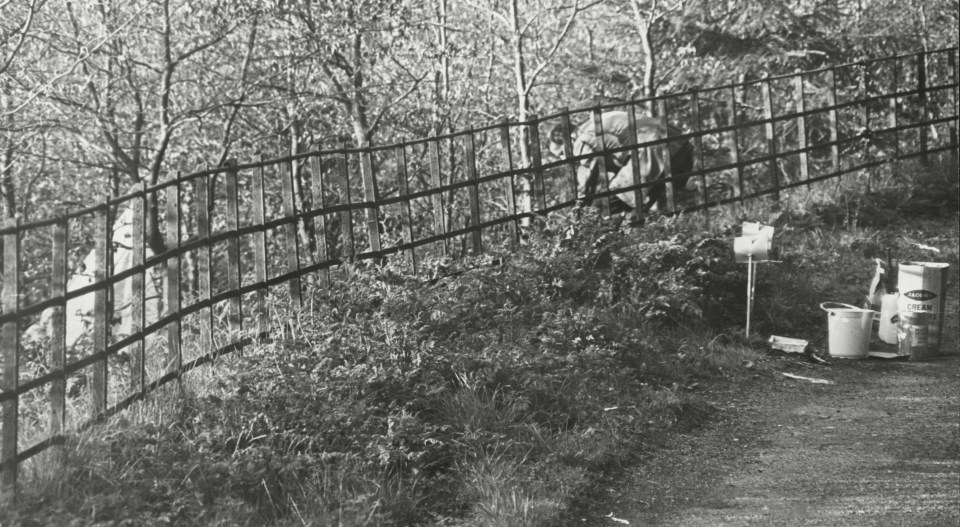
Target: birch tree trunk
(523, 108)
(7, 150)
(643, 23)
(646, 15)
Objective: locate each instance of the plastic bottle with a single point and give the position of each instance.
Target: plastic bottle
(877, 288)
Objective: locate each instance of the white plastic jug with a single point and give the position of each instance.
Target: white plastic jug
(849, 329)
(889, 318)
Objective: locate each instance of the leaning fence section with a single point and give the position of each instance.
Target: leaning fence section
(102, 306)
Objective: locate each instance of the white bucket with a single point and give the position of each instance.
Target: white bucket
(849, 328)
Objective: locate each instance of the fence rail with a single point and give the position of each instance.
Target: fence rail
(80, 347)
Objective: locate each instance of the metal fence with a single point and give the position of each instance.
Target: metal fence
(81, 345)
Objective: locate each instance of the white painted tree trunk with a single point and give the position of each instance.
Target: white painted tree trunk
(78, 317)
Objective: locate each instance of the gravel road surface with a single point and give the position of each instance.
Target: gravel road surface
(874, 442)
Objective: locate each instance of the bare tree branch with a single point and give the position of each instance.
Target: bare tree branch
(35, 7)
(577, 8)
(488, 10)
(556, 43)
(84, 54)
(376, 120)
(244, 90)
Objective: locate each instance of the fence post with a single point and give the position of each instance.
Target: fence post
(10, 300)
(602, 184)
(665, 148)
(259, 247)
(436, 197)
(538, 198)
(801, 107)
(174, 351)
(58, 333)
(735, 149)
(287, 173)
(346, 214)
(137, 291)
(635, 167)
(571, 165)
(319, 222)
(832, 120)
(863, 87)
(403, 189)
(470, 159)
(235, 317)
(922, 93)
(371, 194)
(894, 121)
(769, 132)
(952, 59)
(510, 190)
(101, 311)
(863, 90)
(204, 272)
(698, 155)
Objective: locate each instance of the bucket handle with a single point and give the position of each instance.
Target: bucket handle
(841, 305)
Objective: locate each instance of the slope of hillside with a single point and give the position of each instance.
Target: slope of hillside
(598, 373)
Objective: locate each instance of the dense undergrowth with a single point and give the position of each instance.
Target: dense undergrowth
(496, 395)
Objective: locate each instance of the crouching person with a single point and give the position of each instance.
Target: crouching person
(614, 146)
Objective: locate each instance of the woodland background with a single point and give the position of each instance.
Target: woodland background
(98, 96)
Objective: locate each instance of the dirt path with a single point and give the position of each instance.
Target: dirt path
(878, 445)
